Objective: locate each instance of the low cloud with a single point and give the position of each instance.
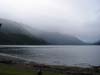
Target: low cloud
(79, 17)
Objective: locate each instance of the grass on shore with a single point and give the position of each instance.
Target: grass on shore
(6, 69)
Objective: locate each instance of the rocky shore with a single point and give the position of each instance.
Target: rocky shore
(68, 70)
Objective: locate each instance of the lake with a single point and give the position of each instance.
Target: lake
(57, 55)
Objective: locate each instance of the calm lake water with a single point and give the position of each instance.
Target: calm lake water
(57, 55)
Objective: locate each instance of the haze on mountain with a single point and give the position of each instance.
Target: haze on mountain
(78, 18)
(12, 33)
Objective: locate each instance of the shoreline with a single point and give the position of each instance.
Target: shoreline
(42, 45)
(16, 61)
(23, 60)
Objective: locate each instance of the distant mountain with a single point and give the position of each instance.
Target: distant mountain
(12, 33)
(60, 39)
(55, 38)
(97, 43)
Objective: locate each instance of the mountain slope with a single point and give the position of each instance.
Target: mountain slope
(60, 39)
(97, 43)
(12, 33)
(54, 38)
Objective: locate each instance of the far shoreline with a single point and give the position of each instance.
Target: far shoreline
(43, 45)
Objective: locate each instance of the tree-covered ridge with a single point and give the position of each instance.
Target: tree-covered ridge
(10, 37)
(13, 33)
(19, 39)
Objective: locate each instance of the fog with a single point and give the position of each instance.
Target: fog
(75, 17)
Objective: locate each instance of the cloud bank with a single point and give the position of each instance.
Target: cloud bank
(75, 17)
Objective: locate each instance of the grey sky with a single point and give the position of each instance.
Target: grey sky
(76, 17)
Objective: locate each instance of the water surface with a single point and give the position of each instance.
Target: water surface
(57, 55)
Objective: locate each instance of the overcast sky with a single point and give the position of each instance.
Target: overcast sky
(75, 17)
